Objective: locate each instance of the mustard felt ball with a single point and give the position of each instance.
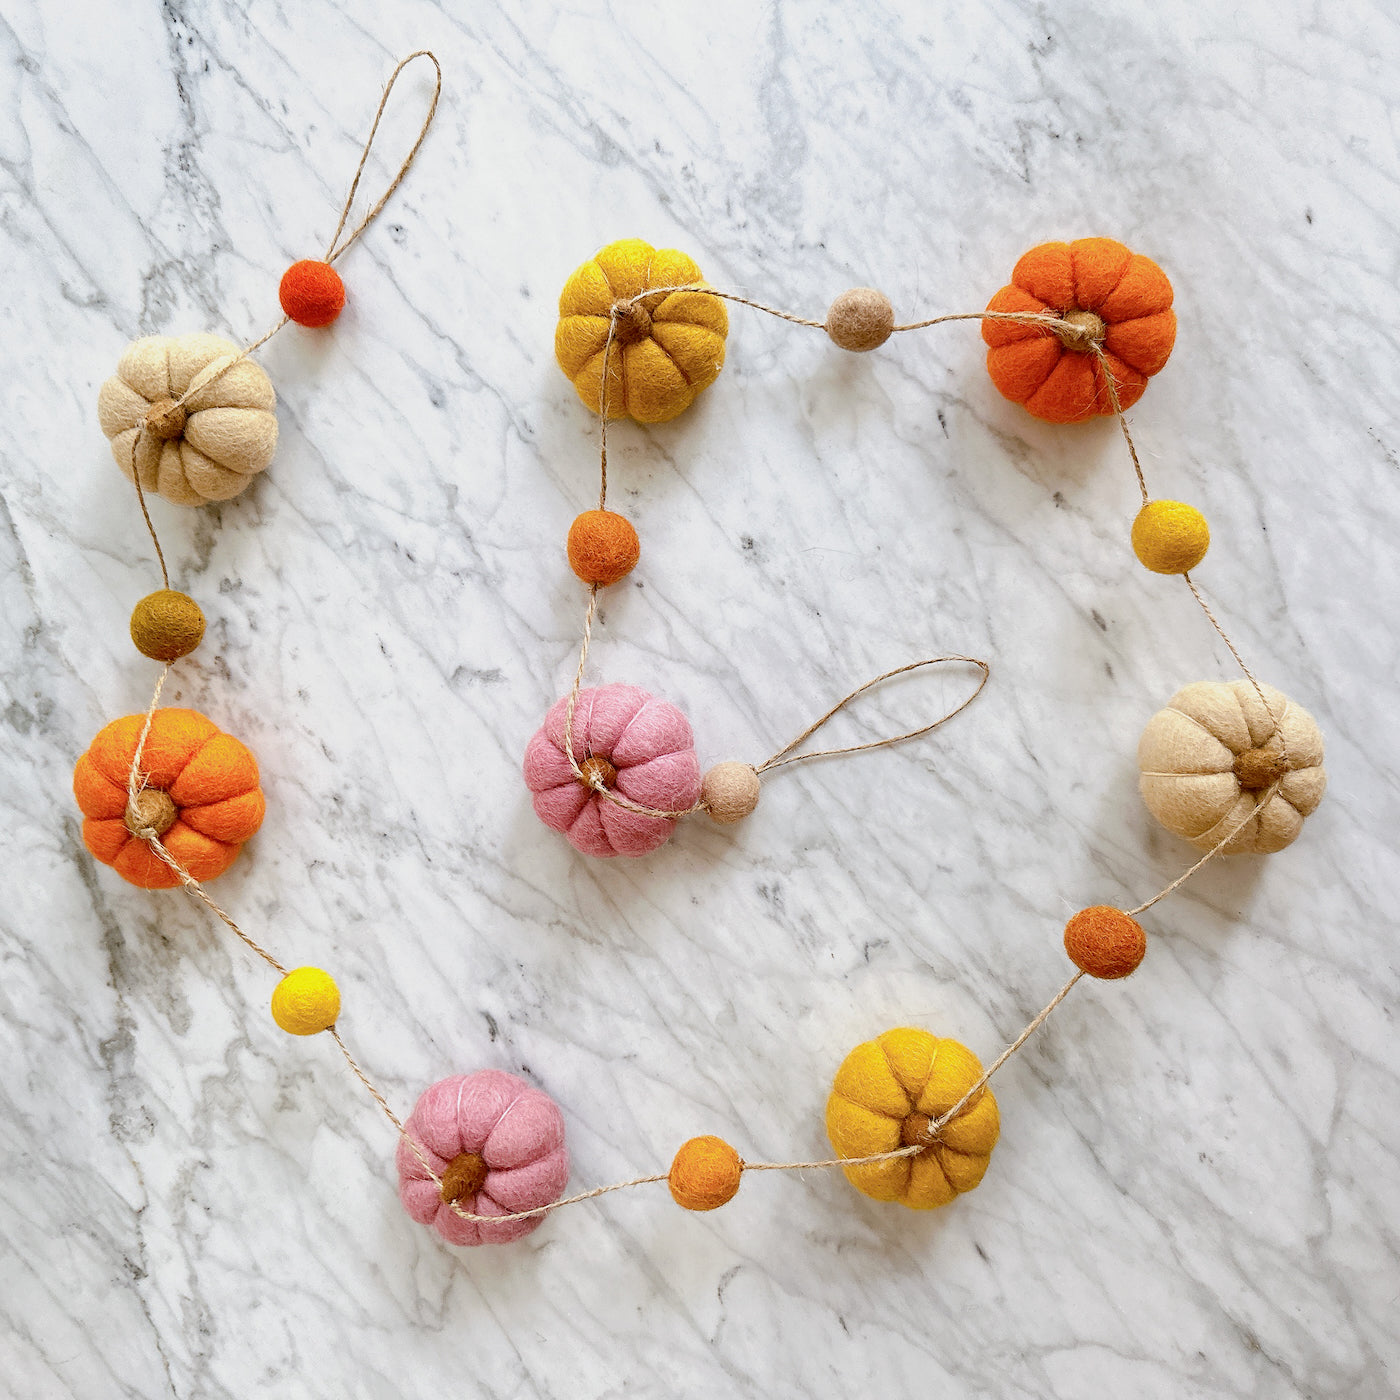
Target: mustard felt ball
(1170, 537)
(705, 1174)
(306, 1001)
(166, 625)
(1105, 942)
(861, 319)
(729, 791)
(603, 547)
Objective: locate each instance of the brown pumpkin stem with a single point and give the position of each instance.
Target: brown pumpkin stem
(597, 770)
(916, 1131)
(1081, 331)
(153, 811)
(465, 1176)
(631, 322)
(1260, 768)
(166, 420)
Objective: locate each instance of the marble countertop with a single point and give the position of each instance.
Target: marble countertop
(1197, 1190)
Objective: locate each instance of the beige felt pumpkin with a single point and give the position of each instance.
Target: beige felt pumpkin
(215, 442)
(1212, 754)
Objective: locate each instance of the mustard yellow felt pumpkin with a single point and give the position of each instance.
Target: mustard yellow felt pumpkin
(666, 346)
(887, 1094)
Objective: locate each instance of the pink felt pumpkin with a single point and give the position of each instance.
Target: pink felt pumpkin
(496, 1142)
(639, 746)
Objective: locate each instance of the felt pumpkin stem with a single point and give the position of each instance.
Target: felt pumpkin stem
(632, 321)
(1260, 768)
(152, 811)
(166, 419)
(597, 770)
(917, 1131)
(1081, 331)
(464, 1177)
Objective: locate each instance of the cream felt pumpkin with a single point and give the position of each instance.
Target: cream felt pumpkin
(212, 445)
(1211, 755)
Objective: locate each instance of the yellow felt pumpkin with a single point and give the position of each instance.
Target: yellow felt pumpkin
(666, 346)
(1212, 753)
(887, 1093)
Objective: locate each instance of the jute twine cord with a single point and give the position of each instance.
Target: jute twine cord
(589, 778)
(137, 780)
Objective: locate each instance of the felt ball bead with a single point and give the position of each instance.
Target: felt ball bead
(1105, 942)
(861, 319)
(312, 293)
(603, 547)
(705, 1174)
(306, 1001)
(730, 791)
(166, 625)
(1170, 537)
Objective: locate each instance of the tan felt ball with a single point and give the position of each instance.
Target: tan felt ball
(729, 791)
(861, 319)
(166, 625)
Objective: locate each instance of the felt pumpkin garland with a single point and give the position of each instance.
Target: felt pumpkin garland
(167, 798)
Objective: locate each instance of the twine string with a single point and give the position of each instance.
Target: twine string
(137, 780)
(335, 249)
(786, 754)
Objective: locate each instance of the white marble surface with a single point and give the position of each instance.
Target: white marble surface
(1197, 1192)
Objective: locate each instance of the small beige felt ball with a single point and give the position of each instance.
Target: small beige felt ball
(166, 625)
(729, 791)
(861, 319)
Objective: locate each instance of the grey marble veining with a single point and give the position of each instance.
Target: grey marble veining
(1196, 1192)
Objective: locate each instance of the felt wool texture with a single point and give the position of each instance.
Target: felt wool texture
(665, 349)
(166, 625)
(515, 1129)
(885, 1095)
(306, 1001)
(1208, 757)
(210, 777)
(1170, 537)
(603, 547)
(705, 1174)
(1128, 294)
(1105, 942)
(860, 319)
(229, 430)
(311, 293)
(650, 745)
(730, 791)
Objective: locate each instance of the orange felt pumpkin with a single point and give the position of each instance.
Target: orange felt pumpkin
(1116, 302)
(201, 797)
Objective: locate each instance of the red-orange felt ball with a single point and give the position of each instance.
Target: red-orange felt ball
(1105, 942)
(312, 293)
(603, 546)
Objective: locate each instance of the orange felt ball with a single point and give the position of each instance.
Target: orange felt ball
(1105, 942)
(312, 293)
(603, 547)
(705, 1174)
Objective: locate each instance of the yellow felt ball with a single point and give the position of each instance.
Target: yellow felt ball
(888, 1094)
(306, 1001)
(631, 347)
(705, 1174)
(1170, 537)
